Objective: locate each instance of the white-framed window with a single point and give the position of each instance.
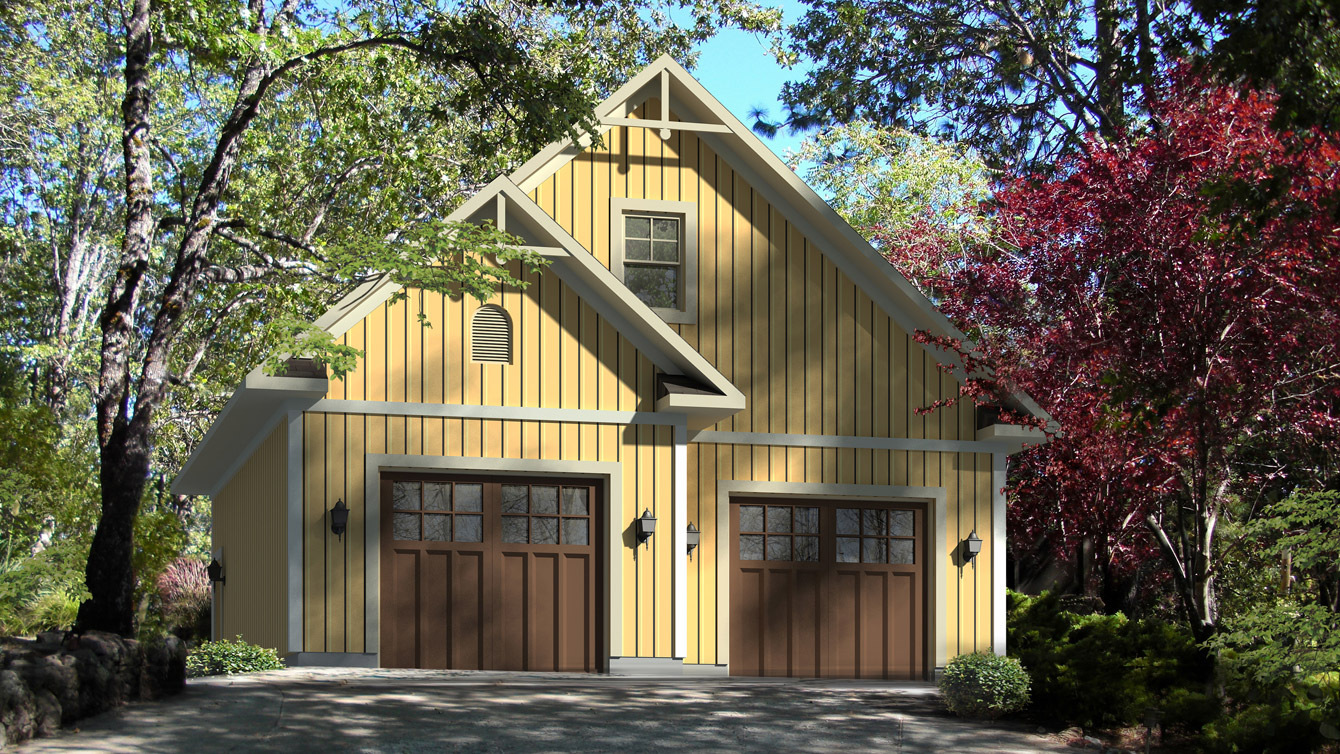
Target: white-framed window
(654, 251)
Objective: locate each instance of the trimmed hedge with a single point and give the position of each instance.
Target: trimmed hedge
(984, 685)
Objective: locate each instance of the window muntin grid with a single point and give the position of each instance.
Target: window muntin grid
(779, 532)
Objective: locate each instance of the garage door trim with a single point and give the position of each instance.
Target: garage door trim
(609, 473)
(936, 499)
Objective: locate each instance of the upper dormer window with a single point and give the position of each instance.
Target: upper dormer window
(653, 259)
(653, 250)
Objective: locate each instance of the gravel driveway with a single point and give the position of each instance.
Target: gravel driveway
(328, 710)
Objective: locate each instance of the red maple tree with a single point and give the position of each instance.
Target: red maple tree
(1173, 300)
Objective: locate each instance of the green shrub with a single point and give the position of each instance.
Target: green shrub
(225, 657)
(1106, 670)
(984, 685)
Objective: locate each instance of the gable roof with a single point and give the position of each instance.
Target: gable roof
(755, 162)
(700, 391)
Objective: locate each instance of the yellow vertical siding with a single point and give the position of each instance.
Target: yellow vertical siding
(250, 527)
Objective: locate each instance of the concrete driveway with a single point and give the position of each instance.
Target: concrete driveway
(392, 711)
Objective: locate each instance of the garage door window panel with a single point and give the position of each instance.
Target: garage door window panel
(531, 515)
(779, 532)
(437, 512)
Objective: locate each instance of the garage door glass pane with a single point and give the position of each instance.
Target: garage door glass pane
(405, 497)
(469, 497)
(515, 499)
(544, 500)
(436, 497)
(807, 549)
(406, 527)
(873, 551)
(848, 550)
(807, 520)
(874, 522)
(574, 531)
(514, 530)
(901, 523)
(779, 519)
(544, 530)
(751, 518)
(574, 501)
(469, 529)
(848, 521)
(436, 528)
(779, 548)
(751, 547)
(902, 552)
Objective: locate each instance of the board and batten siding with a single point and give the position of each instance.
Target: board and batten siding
(808, 348)
(249, 533)
(564, 356)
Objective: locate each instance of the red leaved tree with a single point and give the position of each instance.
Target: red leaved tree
(1171, 299)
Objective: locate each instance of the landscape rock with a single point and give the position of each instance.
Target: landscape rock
(60, 678)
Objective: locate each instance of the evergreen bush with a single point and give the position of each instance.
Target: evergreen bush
(225, 657)
(984, 685)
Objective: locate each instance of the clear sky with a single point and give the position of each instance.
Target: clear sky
(737, 69)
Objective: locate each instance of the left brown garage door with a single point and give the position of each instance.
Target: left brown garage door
(488, 574)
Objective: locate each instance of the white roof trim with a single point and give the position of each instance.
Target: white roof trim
(813, 216)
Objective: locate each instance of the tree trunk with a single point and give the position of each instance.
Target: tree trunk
(122, 445)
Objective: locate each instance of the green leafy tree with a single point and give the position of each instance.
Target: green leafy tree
(275, 153)
(1021, 82)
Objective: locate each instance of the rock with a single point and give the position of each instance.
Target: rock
(17, 708)
(1093, 743)
(47, 719)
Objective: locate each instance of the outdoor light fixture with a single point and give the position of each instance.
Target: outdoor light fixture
(646, 526)
(971, 546)
(339, 518)
(691, 536)
(215, 571)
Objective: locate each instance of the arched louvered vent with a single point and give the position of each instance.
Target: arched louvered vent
(491, 335)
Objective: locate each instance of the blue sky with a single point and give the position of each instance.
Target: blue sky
(737, 69)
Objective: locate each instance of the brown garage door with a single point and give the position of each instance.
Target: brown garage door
(827, 590)
(488, 574)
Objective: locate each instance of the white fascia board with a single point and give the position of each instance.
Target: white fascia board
(592, 281)
(1013, 437)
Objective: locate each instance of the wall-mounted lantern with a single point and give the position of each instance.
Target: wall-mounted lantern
(646, 526)
(691, 537)
(339, 518)
(215, 571)
(971, 546)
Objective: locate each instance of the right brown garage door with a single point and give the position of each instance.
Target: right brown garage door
(827, 590)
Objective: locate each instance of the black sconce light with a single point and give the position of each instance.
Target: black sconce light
(646, 526)
(215, 571)
(339, 518)
(971, 546)
(691, 537)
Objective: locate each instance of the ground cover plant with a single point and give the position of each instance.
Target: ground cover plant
(224, 657)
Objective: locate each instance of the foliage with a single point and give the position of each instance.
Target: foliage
(36, 591)
(1281, 655)
(184, 594)
(1106, 670)
(984, 685)
(1019, 82)
(1290, 46)
(1183, 340)
(892, 184)
(226, 657)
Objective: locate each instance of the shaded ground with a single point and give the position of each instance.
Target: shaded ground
(392, 711)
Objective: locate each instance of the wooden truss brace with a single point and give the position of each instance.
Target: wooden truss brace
(664, 123)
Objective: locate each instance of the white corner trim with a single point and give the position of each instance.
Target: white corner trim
(679, 546)
(936, 499)
(688, 213)
(215, 614)
(293, 530)
(997, 545)
(610, 473)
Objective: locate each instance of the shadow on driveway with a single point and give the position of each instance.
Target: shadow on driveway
(328, 711)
